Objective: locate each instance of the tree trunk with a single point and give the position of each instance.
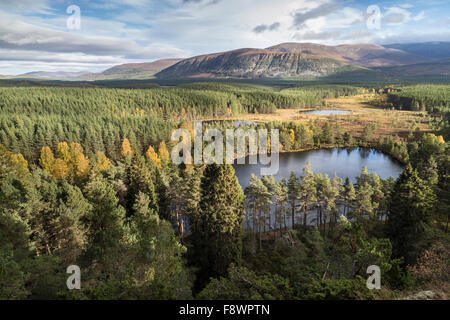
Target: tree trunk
(293, 214)
(304, 216)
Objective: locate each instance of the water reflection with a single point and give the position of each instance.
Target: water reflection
(345, 162)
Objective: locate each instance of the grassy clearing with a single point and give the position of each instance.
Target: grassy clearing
(365, 110)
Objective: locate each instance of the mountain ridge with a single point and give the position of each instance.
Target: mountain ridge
(289, 60)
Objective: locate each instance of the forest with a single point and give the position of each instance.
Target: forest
(86, 179)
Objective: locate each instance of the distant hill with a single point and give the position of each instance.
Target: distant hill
(441, 67)
(432, 50)
(289, 60)
(133, 70)
(52, 75)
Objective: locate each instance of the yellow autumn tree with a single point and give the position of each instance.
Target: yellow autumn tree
(153, 156)
(163, 153)
(20, 164)
(47, 159)
(126, 147)
(60, 169)
(63, 151)
(103, 163)
(292, 134)
(79, 163)
(441, 139)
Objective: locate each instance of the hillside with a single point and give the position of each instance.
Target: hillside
(433, 50)
(369, 55)
(135, 70)
(289, 60)
(52, 75)
(252, 63)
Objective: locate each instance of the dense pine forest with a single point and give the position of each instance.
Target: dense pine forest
(86, 179)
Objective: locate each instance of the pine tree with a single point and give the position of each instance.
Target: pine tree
(101, 161)
(349, 195)
(140, 180)
(308, 191)
(216, 232)
(258, 202)
(293, 195)
(410, 210)
(106, 228)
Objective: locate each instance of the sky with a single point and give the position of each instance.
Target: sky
(44, 35)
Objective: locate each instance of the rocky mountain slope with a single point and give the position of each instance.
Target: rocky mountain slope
(290, 60)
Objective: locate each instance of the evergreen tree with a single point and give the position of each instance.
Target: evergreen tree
(410, 210)
(140, 180)
(216, 232)
(349, 195)
(293, 196)
(105, 221)
(308, 191)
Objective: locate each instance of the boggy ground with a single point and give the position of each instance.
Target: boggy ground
(365, 110)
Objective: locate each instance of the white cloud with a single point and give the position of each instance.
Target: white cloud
(117, 31)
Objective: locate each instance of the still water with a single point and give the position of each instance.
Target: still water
(345, 162)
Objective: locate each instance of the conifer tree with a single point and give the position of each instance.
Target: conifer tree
(349, 196)
(308, 191)
(293, 195)
(101, 161)
(106, 228)
(410, 210)
(140, 180)
(216, 232)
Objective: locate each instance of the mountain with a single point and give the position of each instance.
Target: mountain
(368, 55)
(290, 60)
(133, 70)
(440, 67)
(52, 75)
(432, 50)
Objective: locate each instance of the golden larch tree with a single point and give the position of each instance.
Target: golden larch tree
(126, 147)
(47, 159)
(63, 151)
(163, 153)
(60, 169)
(153, 156)
(20, 164)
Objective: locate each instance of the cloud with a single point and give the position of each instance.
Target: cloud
(326, 35)
(207, 2)
(27, 6)
(397, 15)
(17, 35)
(301, 16)
(264, 27)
